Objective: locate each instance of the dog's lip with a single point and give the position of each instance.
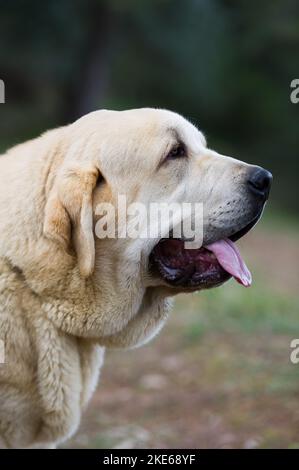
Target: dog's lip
(187, 276)
(172, 264)
(240, 233)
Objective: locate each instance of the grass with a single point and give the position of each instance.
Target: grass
(233, 309)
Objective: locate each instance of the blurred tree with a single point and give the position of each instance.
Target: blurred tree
(225, 65)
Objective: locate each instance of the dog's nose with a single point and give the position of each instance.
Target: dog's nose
(259, 182)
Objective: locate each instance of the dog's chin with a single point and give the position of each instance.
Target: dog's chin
(191, 269)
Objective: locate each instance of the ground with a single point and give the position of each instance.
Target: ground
(219, 374)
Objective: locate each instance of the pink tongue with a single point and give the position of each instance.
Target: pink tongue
(230, 259)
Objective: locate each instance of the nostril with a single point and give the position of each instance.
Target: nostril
(260, 181)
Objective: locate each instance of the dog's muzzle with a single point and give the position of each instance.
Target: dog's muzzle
(218, 260)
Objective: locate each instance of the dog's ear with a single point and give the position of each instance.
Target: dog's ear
(69, 214)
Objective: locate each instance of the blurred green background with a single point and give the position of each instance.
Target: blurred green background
(219, 375)
(226, 65)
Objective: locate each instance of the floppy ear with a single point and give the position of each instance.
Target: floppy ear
(69, 217)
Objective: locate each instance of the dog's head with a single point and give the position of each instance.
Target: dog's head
(148, 157)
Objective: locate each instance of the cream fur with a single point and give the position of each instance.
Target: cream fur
(66, 295)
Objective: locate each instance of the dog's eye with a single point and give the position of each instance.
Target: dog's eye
(179, 151)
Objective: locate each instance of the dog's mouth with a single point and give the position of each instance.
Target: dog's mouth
(206, 267)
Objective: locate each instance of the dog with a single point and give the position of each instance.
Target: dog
(66, 294)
